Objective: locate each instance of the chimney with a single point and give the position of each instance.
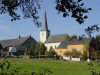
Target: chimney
(19, 37)
(30, 35)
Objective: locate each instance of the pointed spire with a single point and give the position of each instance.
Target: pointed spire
(45, 25)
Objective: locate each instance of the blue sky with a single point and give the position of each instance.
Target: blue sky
(56, 23)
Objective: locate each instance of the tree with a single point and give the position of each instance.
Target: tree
(75, 7)
(68, 54)
(84, 55)
(98, 42)
(74, 53)
(72, 37)
(30, 52)
(96, 54)
(40, 49)
(76, 37)
(92, 29)
(51, 52)
(30, 9)
(89, 31)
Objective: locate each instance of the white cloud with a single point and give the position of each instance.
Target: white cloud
(5, 28)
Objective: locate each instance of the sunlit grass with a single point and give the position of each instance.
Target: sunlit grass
(58, 67)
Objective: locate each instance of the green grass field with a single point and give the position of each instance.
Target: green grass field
(57, 66)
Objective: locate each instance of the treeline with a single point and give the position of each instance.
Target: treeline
(40, 50)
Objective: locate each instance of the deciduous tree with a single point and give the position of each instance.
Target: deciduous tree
(40, 49)
(91, 29)
(51, 52)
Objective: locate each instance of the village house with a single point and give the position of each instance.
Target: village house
(78, 44)
(17, 46)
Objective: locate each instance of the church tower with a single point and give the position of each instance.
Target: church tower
(44, 33)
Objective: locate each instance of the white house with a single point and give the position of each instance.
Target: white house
(51, 40)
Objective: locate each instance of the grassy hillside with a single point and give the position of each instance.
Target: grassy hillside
(58, 67)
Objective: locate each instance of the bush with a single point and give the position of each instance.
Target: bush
(30, 52)
(74, 53)
(51, 52)
(84, 55)
(96, 54)
(40, 49)
(68, 54)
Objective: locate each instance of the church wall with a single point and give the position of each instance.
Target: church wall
(53, 45)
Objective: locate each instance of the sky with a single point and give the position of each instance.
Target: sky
(56, 23)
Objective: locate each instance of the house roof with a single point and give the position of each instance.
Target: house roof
(13, 42)
(64, 44)
(80, 41)
(57, 38)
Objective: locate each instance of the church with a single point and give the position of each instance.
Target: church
(51, 40)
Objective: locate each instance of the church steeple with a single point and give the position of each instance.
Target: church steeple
(44, 33)
(45, 25)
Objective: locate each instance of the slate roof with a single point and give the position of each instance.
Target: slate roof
(80, 41)
(13, 42)
(57, 38)
(64, 44)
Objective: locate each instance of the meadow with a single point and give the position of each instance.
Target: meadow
(58, 67)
